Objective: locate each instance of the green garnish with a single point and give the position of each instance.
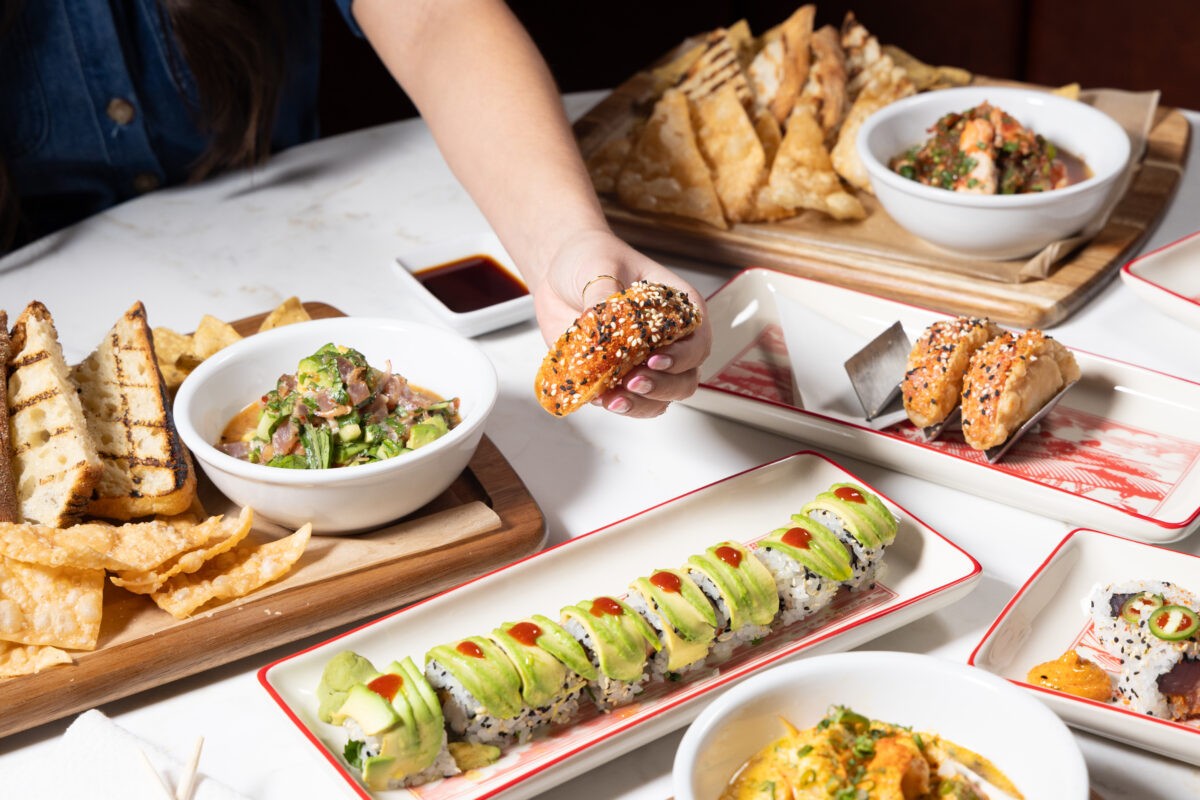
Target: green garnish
(353, 753)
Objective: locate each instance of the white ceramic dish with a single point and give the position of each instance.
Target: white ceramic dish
(994, 226)
(1047, 617)
(346, 499)
(967, 706)
(1169, 279)
(1121, 451)
(468, 323)
(925, 572)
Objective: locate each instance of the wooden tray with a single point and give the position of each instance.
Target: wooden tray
(784, 245)
(485, 519)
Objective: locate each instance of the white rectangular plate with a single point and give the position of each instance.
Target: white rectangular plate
(1120, 452)
(1047, 617)
(925, 572)
(1169, 279)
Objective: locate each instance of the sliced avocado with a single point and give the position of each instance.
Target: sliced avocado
(870, 523)
(471, 755)
(417, 744)
(373, 713)
(748, 588)
(622, 642)
(342, 672)
(563, 646)
(422, 434)
(378, 771)
(824, 554)
(542, 675)
(349, 431)
(319, 369)
(492, 679)
(686, 634)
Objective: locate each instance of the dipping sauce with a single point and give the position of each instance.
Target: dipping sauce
(471, 283)
(1074, 675)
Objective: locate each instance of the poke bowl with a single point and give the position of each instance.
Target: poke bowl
(942, 701)
(981, 214)
(382, 481)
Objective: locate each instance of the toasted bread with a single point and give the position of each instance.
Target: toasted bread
(55, 463)
(10, 510)
(146, 468)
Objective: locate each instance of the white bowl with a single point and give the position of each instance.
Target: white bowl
(344, 499)
(994, 227)
(969, 706)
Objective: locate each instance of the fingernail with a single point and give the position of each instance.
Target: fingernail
(640, 385)
(660, 362)
(620, 406)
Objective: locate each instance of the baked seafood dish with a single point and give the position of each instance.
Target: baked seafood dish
(481, 694)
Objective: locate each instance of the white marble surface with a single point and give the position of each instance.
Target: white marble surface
(325, 221)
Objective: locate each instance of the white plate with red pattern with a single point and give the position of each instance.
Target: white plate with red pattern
(1120, 452)
(924, 572)
(1169, 279)
(1048, 616)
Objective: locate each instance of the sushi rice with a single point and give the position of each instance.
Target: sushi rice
(607, 693)
(802, 592)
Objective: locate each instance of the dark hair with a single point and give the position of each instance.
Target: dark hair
(235, 50)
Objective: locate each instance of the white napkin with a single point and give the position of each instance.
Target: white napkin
(98, 760)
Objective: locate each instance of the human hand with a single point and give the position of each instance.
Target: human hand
(573, 283)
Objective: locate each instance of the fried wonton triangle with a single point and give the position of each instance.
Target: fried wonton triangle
(717, 66)
(665, 171)
(56, 606)
(802, 175)
(731, 149)
(780, 69)
(26, 659)
(887, 84)
(825, 91)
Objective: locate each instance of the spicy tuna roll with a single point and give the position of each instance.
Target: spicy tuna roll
(742, 592)
(861, 522)
(553, 667)
(808, 563)
(480, 691)
(618, 641)
(682, 617)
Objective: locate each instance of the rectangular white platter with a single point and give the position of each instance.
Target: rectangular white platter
(925, 572)
(1169, 279)
(1047, 617)
(1120, 452)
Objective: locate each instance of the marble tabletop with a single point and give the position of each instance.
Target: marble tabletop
(326, 221)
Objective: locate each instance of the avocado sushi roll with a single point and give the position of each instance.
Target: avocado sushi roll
(809, 564)
(393, 719)
(742, 592)
(681, 616)
(862, 523)
(618, 641)
(553, 667)
(480, 691)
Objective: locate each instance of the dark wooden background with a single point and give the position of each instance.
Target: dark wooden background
(595, 45)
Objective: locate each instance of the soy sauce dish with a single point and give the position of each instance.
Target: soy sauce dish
(380, 484)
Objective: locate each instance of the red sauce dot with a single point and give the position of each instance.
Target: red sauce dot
(729, 555)
(667, 581)
(526, 633)
(386, 686)
(468, 648)
(849, 494)
(606, 605)
(797, 537)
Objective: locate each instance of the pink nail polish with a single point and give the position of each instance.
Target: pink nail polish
(660, 362)
(620, 406)
(640, 385)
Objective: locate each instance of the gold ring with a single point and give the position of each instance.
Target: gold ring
(586, 286)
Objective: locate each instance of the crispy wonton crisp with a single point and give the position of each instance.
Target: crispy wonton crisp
(223, 537)
(27, 659)
(286, 313)
(57, 606)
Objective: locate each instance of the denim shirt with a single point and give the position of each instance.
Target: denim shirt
(97, 105)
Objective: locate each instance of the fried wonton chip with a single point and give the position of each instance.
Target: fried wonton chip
(27, 659)
(170, 346)
(887, 83)
(795, 34)
(731, 149)
(825, 91)
(222, 538)
(41, 544)
(232, 574)
(56, 606)
(605, 164)
(672, 72)
(1070, 91)
(286, 313)
(211, 336)
(665, 171)
(924, 76)
(802, 175)
(716, 67)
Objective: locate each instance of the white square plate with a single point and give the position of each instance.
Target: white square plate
(925, 572)
(1047, 617)
(469, 323)
(1169, 279)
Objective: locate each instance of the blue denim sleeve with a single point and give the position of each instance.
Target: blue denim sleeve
(344, 7)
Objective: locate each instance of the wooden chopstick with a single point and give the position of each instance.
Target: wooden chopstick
(187, 781)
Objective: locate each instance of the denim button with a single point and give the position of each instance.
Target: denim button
(145, 182)
(120, 111)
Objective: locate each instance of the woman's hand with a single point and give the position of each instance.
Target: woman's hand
(573, 282)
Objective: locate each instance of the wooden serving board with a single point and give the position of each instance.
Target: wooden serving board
(914, 275)
(485, 519)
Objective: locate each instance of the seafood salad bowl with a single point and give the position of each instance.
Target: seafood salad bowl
(976, 188)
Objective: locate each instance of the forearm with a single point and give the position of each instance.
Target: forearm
(491, 103)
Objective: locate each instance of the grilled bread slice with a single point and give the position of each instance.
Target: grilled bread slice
(10, 510)
(55, 463)
(146, 468)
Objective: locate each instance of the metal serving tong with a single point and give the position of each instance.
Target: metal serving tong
(877, 370)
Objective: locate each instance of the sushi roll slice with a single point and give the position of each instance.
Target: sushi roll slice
(742, 592)
(397, 735)
(861, 522)
(682, 617)
(618, 641)
(809, 565)
(480, 691)
(553, 667)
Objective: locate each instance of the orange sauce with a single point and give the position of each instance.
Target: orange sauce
(1074, 675)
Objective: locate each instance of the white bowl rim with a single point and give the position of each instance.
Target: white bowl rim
(880, 171)
(261, 473)
(686, 756)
